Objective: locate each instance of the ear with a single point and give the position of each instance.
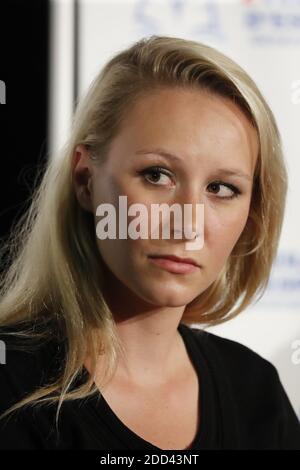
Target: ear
(82, 177)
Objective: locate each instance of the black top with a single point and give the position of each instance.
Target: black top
(243, 404)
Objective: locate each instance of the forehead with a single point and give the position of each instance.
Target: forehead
(193, 123)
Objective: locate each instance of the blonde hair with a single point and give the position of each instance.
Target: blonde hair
(54, 268)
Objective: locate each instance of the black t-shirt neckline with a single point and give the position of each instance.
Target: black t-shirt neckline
(207, 436)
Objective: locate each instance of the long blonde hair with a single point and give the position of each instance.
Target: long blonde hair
(54, 268)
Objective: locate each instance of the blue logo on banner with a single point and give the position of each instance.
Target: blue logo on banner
(284, 285)
(273, 21)
(178, 17)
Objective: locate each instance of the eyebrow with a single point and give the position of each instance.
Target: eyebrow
(172, 156)
(161, 152)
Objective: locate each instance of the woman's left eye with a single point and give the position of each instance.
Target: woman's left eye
(233, 190)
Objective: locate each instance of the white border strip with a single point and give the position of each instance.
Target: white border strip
(61, 62)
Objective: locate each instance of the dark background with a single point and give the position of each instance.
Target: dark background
(24, 55)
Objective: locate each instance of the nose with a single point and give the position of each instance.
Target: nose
(192, 209)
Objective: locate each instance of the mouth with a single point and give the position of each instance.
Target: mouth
(175, 264)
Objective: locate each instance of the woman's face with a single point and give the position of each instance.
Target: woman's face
(210, 136)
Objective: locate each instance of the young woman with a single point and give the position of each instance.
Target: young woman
(99, 348)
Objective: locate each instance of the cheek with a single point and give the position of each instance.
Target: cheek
(108, 187)
(223, 229)
(121, 255)
(119, 259)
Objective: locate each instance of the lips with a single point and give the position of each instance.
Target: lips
(177, 259)
(174, 264)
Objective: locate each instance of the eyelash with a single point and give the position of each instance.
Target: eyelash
(158, 169)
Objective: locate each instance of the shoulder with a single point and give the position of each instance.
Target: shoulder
(27, 358)
(240, 371)
(253, 385)
(26, 364)
(233, 356)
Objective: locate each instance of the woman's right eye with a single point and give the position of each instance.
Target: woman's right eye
(156, 172)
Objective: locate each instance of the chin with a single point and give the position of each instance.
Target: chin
(164, 297)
